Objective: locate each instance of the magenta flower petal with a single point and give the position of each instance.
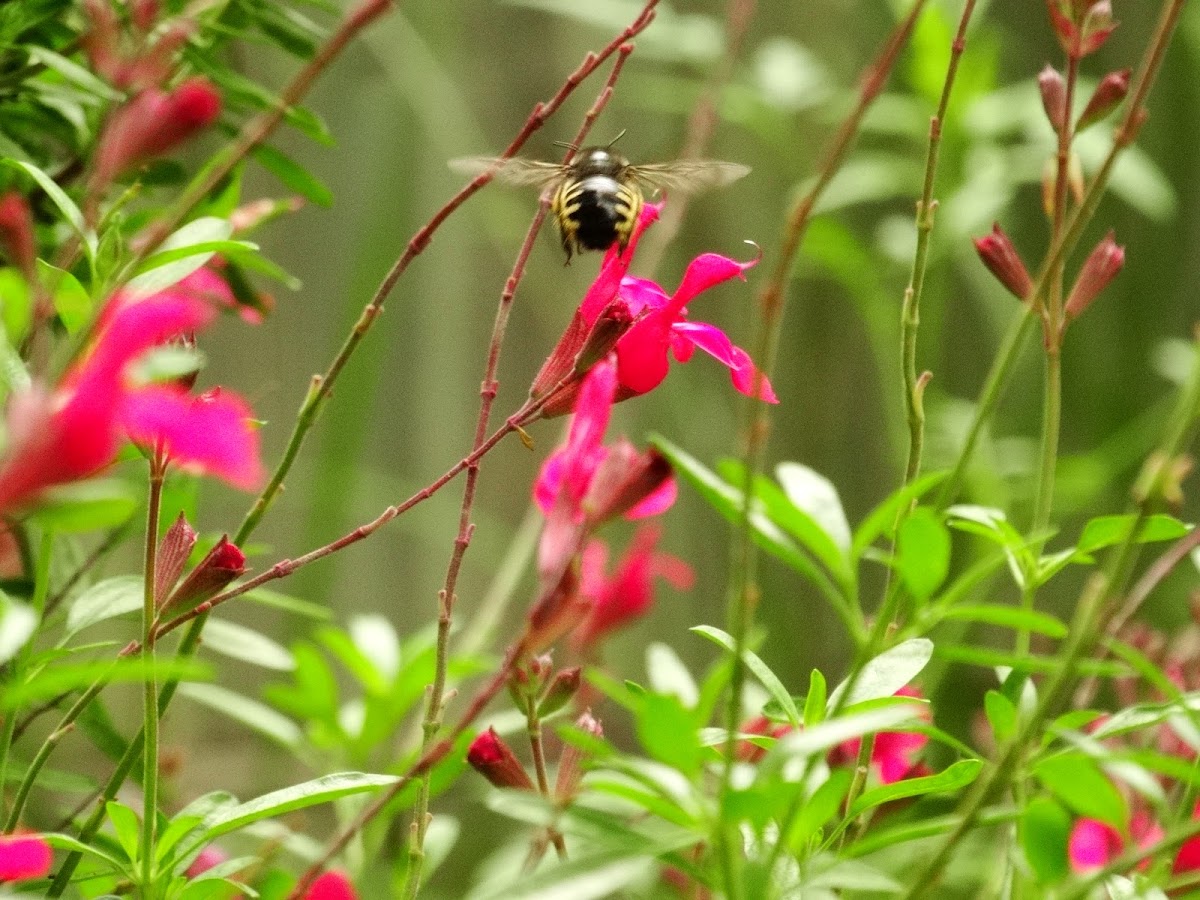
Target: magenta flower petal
(129, 328)
(211, 433)
(642, 361)
(1092, 844)
(643, 294)
(705, 271)
(549, 481)
(608, 282)
(658, 501)
(331, 885)
(24, 856)
(716, 343)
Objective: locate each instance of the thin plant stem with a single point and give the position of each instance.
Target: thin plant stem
(537, 750)
(447, 597)
(743, 593)
(150, 685)
(41, 588)
(910, 319)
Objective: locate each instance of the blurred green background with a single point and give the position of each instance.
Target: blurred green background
(435, 81)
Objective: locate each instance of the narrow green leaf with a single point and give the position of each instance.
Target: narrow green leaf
(65, 204)
(1009, 616)
(71, 301)
(761, 671)
(251, 713)
(17, 624)
(246, 644)
(1105, 531)
(886, 673)
(814, 703)
(59, 679)
(1025, 662)
(952, 778)
(822, 806)
(1001, 715)
(16, 305)
(832, 732)
(668, 732)
(923, 552)
(292, 175)
(1078, 782)
(198, 233)
(73, 72)
(104, 600)
(127, 827)
(1045, 830)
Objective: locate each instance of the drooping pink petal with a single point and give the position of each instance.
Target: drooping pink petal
(716, 343)
(705, 271)
(642, 361)
(1092, 844)
(211, 433)
(24, 856)
(128, 328)
(627, 595)
(331, 885)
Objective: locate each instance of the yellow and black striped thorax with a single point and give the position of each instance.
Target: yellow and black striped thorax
(597, 204)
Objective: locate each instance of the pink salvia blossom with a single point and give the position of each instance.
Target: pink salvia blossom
(893, 754)
(1092, 844)
(24, 856)
(331, 885)
(210, 856)
(626, 595)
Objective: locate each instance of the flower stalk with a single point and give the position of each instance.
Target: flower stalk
(150, 685)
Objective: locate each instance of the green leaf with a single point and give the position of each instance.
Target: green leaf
(667, 731)
(1009, 616)
(814, 703)
(73, 72)
(16, 305)
(585, 878)
(922, 552)
(71, 301)
(814, 516)
(18, 621)
(761, 671)
(292, 175)
(95, 505)
(251, 713)
(288, 604)
(239, 642)
(60, 679)
(886, 673)
(822, 806)
(1079, 783)
(289, 799)
(1001, 715)
(832, 732)
(65, 204)
(1045, 830)
(1106, 531)
(1025, 662)
(66, 842)
(104, 600)
(668, 674)
(883, 516)
(192, 239)
(127, 826)
(952, 778)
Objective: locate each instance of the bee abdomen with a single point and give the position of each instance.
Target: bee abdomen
(596, 212)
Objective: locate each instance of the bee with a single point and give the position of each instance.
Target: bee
(597, 196)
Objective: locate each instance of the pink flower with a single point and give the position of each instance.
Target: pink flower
(643, 352)
(1094, 844)
(586, 482)
(331, 885)
(893, 754)
(75, 431)
(24, 856)
(628, 593)
(210, 856)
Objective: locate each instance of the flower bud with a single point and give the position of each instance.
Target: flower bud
(223, 563)
(1054, 96)
(154, 123)
(16, 234)
(559, 692)
(173, 554)
(492, 758)
(1098, 270)
(1108, 96)
(624, 479)
(1002, 260)
(570, 764)
(332, 885)
(1097, 25)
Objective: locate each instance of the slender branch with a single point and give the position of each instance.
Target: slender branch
(447, 596)
(150, 686)
(743, 590)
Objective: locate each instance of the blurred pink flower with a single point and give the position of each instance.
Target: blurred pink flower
(75, 431)
(893, 754)
(1094, 844)
(332, 885)
(210, 856)
(628, 593)
(24, 856)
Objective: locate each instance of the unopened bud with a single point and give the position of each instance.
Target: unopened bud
(570, 764)
(16, 233)
(173, 554)
(144, 13)
(1054, 96)
(560, 691)
(492, 758)
(223, 563)
(1002, 260)
(1097, 25)
(1108, 96)
(1101, 267)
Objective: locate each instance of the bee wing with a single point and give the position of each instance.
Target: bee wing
(512, 170)
(689, 174)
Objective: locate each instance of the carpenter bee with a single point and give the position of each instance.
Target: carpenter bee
(598, 195)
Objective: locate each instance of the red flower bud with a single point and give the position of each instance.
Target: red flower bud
(16, 233)
(1108, 96)
(492, 758)
(154, 123)
(1098, 270)
(1082, 26)
(173, 554)
(560, 691)
(223, 564)
(1002, 260)
(577, 351)
(1054, 96)
(1097, 25)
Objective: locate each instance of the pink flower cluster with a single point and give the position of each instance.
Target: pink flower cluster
(74, 431)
